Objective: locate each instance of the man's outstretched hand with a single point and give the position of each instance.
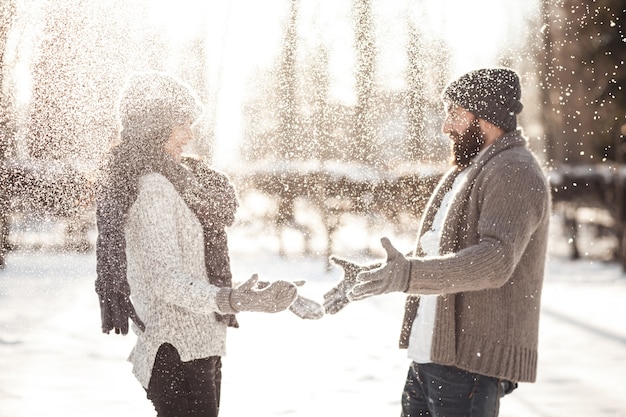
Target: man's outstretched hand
(337, 298)
(391, 276)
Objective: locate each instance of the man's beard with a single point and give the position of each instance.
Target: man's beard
(467, 145)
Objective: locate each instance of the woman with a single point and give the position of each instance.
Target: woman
(161, 223)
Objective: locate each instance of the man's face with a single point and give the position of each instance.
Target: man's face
(467, 137)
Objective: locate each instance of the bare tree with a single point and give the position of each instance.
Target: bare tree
(426, 76)
(288, 140)
(584, 100)
(415, 95)
(7, 11)
(582, 78)
(314, 108)
(192, 67)
(364, 144)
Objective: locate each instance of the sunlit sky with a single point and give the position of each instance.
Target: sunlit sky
(246, 36)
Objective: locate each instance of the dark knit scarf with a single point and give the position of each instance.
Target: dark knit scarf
(208, 193)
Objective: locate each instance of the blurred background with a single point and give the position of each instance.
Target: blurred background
(317, 110)
(327, 116)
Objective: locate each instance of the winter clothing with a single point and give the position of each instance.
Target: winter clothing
(208, 193)
(302, 307)
(168, 273)
(490, 272)
(492, 94)
(337, 298)
(306, 309)
(212, 199)
(420, 342)
(490, 237)
(168, 278)
(115, 310)
(162, 238)
(392, 276)
(153, 101)
(274, 297)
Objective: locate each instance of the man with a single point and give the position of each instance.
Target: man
(475, 278)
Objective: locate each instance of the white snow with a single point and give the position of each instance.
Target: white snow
(54, 360)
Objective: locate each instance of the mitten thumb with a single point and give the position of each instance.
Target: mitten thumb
(340, 261)
(392, 252)
(249, 284)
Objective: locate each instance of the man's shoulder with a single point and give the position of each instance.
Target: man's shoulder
(516, 164)
(519, 156)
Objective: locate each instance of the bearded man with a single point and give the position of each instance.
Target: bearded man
(475, 278)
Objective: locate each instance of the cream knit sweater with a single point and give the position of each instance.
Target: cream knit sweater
(167, 275)
(491, 272)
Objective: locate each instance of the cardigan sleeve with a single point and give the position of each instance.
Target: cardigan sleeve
(512, 202)
(155, 224)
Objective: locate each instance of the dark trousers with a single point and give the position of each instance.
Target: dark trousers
(185, 389)
(437, 391)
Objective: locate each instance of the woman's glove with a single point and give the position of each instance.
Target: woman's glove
(275, 297)
(392, 276)
(337, 298)
(302, 307)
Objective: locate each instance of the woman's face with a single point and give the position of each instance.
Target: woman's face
(180, 136)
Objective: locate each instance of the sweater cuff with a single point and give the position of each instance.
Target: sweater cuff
(223, 301)
(407, 278)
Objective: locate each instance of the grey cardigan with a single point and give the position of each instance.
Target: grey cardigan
(491, 270)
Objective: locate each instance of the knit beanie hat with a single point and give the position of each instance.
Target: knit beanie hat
(492, 94)
(152, 101)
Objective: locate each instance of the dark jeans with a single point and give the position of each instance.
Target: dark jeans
(181, 389)
(445, 391)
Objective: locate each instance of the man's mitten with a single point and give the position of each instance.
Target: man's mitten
(115, 310)
(337, 298)
(390, 277)
(307, 309)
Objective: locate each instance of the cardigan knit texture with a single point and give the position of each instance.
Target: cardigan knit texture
(490, 271)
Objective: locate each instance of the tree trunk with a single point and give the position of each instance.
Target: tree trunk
(288, 141)
(7, 11)
(364, 146)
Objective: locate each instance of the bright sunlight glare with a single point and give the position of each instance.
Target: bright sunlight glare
(240, 40)
(246, 35)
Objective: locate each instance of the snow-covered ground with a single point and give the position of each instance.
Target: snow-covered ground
(54, 360)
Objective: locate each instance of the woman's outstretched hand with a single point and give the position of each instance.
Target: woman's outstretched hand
(302, 307)
(275, 297)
